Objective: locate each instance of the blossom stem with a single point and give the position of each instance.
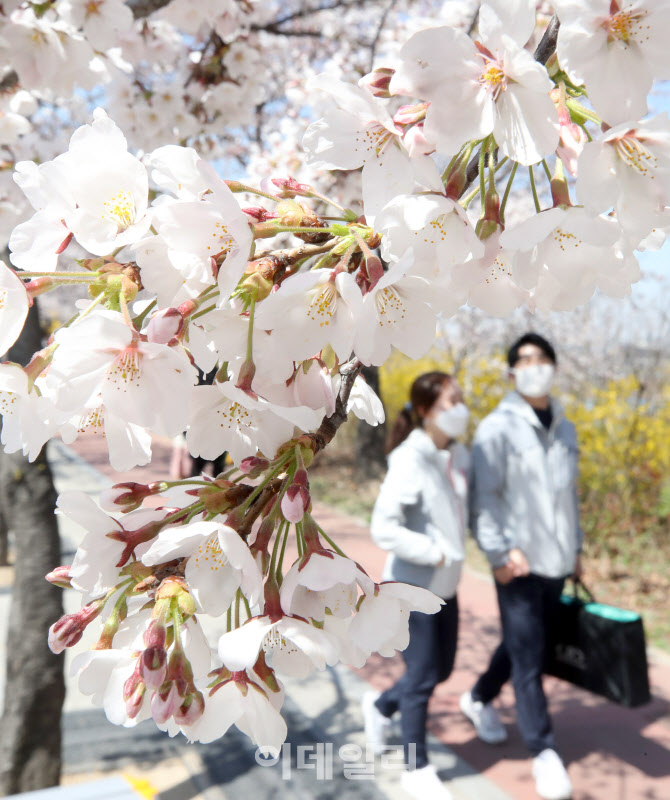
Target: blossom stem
(283, 550)
(547, 171)
(582, 111)
(275, 547)
(465, 201)
(87, 310)
(279, 466)
(229, 618)
(139, 319)
(60, 275)
(203, 311)
(330, 541)
(482, 182)
(507, 190)
(533, 189)
(237, 608)
(246, 605)
(242, 187)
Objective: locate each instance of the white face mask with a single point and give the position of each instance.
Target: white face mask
(535, 380)
(453, 421)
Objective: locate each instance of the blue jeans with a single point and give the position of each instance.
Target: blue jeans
(528, 607)
(429, 658)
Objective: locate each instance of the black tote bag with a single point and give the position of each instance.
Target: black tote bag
(600, 648)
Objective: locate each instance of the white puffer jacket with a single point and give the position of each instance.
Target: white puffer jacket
(524, 488)
(420, 514)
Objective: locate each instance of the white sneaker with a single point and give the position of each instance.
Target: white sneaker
(423, 784)
(552, 781)
(376, 724)
(485, 719)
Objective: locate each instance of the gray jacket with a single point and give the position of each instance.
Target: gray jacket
(420, 514)
(524, 488)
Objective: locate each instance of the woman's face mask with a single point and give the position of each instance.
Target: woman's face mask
(453, 421)
(535, 380)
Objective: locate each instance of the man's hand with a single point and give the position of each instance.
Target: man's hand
(518, 562)
(516, 567)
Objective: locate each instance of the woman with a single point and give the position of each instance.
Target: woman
(420, 518)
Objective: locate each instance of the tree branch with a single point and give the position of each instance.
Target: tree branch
(142, 8)
(380, 28)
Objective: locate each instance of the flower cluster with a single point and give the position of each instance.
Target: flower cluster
(283, 302)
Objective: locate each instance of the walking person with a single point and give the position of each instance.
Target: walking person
(420, 517)
(525, 517)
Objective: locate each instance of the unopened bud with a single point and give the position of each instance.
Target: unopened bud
(135, 699)
(126, 496)
(378, 81)
(258, 214)
(246, 376)
(165, 702)
(296, 499)
(191, 709)
(153, 666)
(411, 114)
(289, 187)
(60, 577)
(69, 629)
(253, 466)
(39, 286)
(165, 325)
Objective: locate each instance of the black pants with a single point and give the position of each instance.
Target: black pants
(429, 658)
(528, 608)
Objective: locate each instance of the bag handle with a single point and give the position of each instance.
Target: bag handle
(577, 585)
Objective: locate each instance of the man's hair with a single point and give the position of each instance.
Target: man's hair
(530, 338)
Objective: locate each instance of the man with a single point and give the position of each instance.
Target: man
(525, 519)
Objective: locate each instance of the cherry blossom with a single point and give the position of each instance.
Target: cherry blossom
(494, 85)
(615, 47)
(13, 307)
(628, 167)
(218, 563)
(311, 310)
(144, 383)
(395, 313)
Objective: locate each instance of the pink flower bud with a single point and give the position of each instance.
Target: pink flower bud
(253, 466)
(164, 326)
(378, 81)
(60, 577)
(190, 710)
(153, 666)
(296, 499)
(39, 286)
(134, 700)
(126, 496)
(246, 376)
(69, 629)
(410, 115)
(165, 702)
(258, 214)
(289, 187)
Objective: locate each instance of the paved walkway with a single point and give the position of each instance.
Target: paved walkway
(612, 753)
